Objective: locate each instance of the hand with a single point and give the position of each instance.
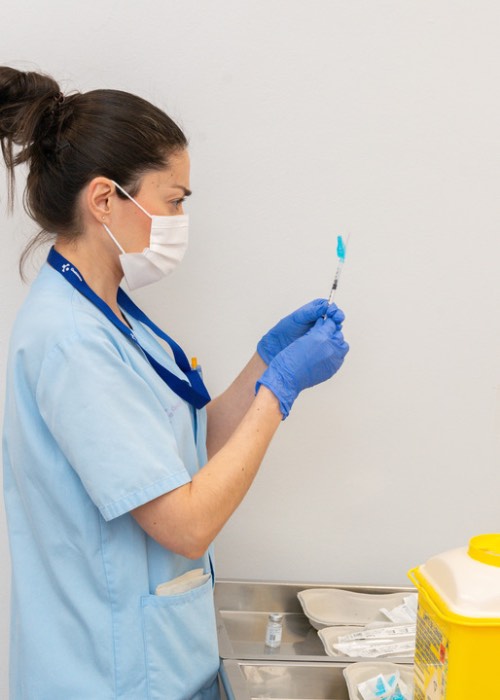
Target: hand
(296, 325)
(309, 360)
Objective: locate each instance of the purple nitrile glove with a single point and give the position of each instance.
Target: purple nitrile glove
(309, 360)
(296, 325)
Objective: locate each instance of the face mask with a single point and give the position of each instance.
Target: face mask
(167, 244)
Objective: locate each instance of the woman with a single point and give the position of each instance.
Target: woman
(119, 470)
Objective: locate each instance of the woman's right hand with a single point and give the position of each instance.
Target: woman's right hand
(309, 360)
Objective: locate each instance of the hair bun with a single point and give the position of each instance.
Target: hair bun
(25, 100)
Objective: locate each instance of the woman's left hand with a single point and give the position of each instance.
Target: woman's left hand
(294, 326)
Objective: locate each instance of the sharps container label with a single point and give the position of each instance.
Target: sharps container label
(431, 658)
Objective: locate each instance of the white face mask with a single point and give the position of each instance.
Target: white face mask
(167, 244)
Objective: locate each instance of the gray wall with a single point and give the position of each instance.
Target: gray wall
(378, 119)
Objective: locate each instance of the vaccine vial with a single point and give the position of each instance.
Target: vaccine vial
(273, 630)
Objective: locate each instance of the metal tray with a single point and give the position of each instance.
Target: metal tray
(247, 680)
(291, 680)
(242, 609)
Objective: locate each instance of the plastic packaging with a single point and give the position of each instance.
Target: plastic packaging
(458, 625)
(384, 688)
(373, 648)
(389, 638)
(406, 612)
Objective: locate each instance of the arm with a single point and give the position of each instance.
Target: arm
(226, 411)
(187, 519)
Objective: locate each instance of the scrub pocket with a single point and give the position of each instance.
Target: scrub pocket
(180, 640)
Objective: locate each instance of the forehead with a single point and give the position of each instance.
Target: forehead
(176, 174)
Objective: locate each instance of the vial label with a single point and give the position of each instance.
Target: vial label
(273, 635)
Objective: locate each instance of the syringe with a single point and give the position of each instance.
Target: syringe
(341, 249)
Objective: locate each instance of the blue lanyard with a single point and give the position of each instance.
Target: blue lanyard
(192, 391)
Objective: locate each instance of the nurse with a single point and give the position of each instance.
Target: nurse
(119, 470)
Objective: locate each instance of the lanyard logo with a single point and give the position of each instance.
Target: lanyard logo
(69, 268)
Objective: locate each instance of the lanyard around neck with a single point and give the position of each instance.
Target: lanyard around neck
(192, 391)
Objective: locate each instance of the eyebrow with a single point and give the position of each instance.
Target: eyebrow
(187, 193)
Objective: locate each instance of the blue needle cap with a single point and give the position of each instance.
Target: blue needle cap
(340, 248)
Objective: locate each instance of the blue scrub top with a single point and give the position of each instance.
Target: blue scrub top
(90, 433)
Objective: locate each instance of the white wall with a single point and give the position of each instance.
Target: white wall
(378, 119)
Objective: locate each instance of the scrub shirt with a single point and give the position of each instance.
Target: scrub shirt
(91, 432)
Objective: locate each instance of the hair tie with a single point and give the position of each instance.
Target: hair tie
(57, 101)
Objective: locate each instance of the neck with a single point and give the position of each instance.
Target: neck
(101, 271)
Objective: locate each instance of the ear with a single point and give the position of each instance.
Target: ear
(99, 198)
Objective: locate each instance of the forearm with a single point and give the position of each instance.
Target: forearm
(187, 519)
(227, 410)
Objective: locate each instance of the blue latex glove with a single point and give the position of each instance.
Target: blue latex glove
(296, 325)
(310, 360)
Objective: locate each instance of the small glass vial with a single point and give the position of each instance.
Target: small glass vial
(273, 630)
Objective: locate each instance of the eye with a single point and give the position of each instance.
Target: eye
(178, 202)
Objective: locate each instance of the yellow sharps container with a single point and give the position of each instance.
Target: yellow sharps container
(457, 654)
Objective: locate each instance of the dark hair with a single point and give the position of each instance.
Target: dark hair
(68, 140)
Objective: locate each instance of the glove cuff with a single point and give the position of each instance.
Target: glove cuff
(281, 389)
(263, 351)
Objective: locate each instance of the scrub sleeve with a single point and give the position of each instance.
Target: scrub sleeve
(108, 424)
